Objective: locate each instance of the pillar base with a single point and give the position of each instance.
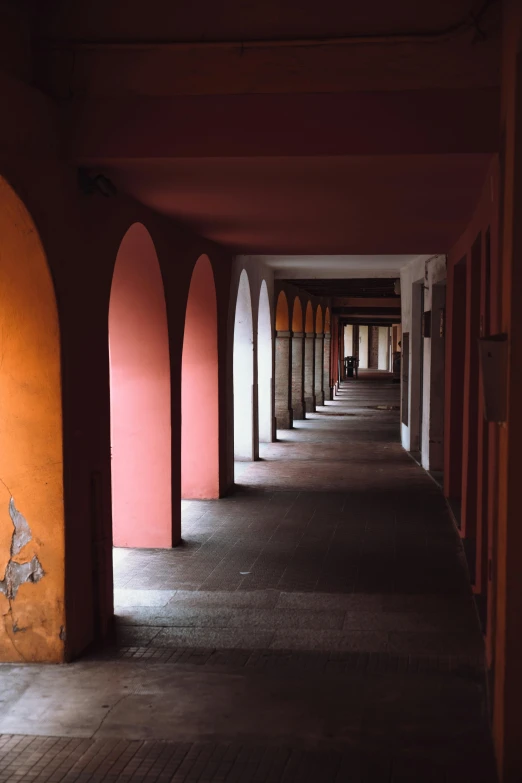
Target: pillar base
(284, 419)
(329, 394)
(319, 398)
(298, 411)
(310, 404)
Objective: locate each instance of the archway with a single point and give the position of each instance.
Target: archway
(283, 360)
(32, 524)
(297, 316)
(327, 357)
(140, 397)
(319, 357)
(327, 321)
(243, 370)
(200, 389)
(309, 320)
(264, 366)
(297, 379)
(282, 316)
(309, 360)
(319, 320)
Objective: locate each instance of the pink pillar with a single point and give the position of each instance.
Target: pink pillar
(199, 388)
(140, 397)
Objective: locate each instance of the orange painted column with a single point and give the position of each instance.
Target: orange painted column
(32, 524)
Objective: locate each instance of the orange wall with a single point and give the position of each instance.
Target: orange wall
(282, 320)
(297, 316)
(31, 457)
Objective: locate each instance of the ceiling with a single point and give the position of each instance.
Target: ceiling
(371, 287)
(315, 205)
(239, 20)
(340, 267)
(229, 118)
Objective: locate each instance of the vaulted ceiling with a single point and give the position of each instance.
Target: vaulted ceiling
(283, 126)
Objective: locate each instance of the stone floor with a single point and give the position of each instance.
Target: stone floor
(317, 625)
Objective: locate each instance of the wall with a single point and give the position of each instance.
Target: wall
(507, 600)
(257, 272)
(32, 530)
(363, 347)
(348, 340)
(384, 341)
(200, 394)
(410, 274)
(476, 459)
(420, 430)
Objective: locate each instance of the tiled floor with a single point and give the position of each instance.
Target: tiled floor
(317, 625)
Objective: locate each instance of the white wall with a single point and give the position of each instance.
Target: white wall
(384, 343)
(348, 340)
(363, 347)
(426, 272)
(432, 425)
(257, 272)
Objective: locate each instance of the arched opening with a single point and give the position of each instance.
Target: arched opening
(243, 370)
(319, 320)
(319, 357)
(309, 360)
(264, 366)
(297, 380)
(140, 397)
(297, 316)
(283, 359)
(32, 525)
(282, 317)
(309, 320)
(200, 389)
(327, 321)
(327, 358)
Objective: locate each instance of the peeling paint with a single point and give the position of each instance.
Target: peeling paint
(22, 532)
(16, 573)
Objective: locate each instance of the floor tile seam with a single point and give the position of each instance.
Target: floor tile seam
(458, 658)
(61, 763)
(121, 741)
(36, 755)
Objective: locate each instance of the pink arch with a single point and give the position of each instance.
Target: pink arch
(140, 397)
(199, 388)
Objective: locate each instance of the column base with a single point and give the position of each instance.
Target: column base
(310, 404)
(319, 398)
(329, 394)
(284, 420)
(298, 411)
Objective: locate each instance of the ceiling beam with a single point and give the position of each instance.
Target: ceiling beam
(106, 130)
(69, 68)
(366, 301)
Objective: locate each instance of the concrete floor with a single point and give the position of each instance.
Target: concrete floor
(317, 625)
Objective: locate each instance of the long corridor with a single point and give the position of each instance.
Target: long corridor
(317, 625)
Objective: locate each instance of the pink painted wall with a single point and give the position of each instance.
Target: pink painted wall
(199, 392)
(140, 397)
